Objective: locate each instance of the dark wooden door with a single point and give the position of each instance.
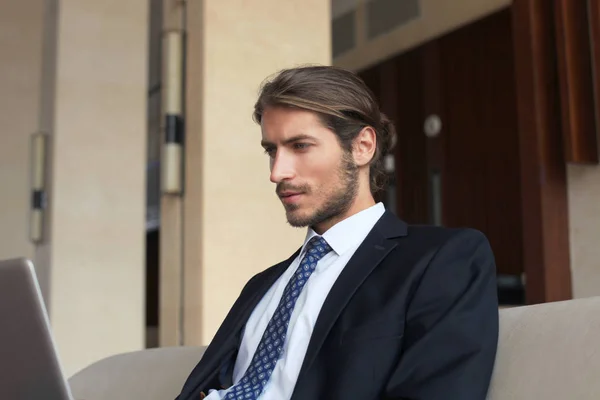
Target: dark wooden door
(481, 170)
(467, 172)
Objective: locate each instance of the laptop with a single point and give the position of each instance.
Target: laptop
(29, 365)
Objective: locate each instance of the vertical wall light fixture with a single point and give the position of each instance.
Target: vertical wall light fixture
(172, 83)
(39, 146)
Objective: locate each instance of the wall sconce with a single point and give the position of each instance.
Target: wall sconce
(38, 186)
(172, 83)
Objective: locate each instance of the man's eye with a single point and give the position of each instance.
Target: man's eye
(270, 151)
(301, 146)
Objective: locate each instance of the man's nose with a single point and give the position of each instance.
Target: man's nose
(282, 168)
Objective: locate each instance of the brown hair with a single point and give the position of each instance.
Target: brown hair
(343, 102)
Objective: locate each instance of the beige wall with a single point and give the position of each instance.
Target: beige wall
(235, 224)
(98, 177)
(437, 18)
(20, 74)
(88, 90)
(584, 227)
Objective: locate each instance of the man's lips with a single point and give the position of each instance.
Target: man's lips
(287, 194)
(289, 197)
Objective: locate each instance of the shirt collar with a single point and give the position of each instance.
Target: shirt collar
(351, 231)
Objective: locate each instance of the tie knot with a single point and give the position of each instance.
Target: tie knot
(317, 247)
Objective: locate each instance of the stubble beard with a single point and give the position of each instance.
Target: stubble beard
(338, 202)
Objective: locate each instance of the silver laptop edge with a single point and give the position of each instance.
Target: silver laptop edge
(42, 305)
(48, 364)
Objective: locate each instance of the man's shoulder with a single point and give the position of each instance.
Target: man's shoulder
(451, 245)
(427, 234)
(435, 255)
(443, 243)
(275, 269)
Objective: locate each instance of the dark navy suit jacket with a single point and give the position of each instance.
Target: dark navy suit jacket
(413, 315)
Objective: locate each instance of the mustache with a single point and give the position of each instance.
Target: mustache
(286, 187)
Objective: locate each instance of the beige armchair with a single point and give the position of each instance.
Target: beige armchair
(153, 374)
(549, 351)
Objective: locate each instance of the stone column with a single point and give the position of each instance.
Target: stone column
(234, 225)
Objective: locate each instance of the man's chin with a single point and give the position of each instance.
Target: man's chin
(297, 219)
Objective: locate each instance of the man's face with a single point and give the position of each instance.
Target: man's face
(316, 180)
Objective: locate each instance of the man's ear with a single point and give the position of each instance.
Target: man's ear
(364, 146)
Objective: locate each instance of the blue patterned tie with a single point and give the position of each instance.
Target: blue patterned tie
(270, 347)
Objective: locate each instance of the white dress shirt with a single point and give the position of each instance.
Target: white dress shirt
(344, 238)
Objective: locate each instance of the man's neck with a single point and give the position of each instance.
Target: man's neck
(357, 206)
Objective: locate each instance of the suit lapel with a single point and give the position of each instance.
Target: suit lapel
(370, 253)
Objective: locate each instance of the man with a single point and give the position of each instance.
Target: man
(369, 307)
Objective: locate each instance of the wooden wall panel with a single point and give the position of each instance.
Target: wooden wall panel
(543, 169)
(411, 152)
(397, 84)
(434, 108)
(576, 81)
(482, 168)
(594, 20)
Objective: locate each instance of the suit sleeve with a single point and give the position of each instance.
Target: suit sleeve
(451, 330)
(191, 379)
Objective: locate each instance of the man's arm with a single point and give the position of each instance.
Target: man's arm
(451, 329)
(221, 332)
